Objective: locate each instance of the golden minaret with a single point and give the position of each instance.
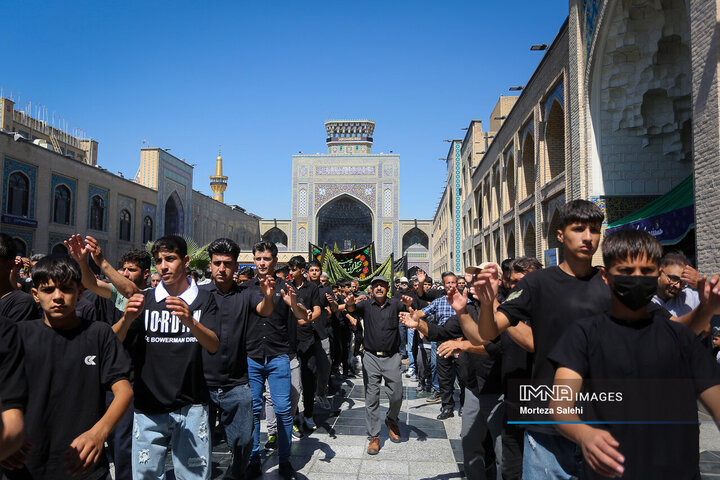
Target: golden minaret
(218, 182)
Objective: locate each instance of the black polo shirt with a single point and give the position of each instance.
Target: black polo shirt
(271, 336)
(309, 295)
(228, 366)
(382, 332)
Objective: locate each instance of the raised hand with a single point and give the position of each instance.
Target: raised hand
(290, 297)
(76, 247)
(487, 283)
(350, 300)
(134, 306)
(690, 276)
(406, 300)
(409, 320)
(267, 286)
(709, 291)
(451, 348)
(181, 310)
(95, 250)
(333, 303)
(458, 300)
(421, 276)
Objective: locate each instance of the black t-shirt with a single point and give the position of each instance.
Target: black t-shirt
(85, 309)
(13, 387)
(105, 310)
(661, 368)
(321, 325)
(228, 366)
(18, 306)
(166, 355)
(382, 332)
(273, 335)
(309, 295)
(68, 373)
(549, 301)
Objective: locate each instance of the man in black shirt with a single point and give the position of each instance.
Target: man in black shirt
(322, 334)
(226, 372)
(268, 348)
(382, 358)
(309, 296)
(655, 368)
(13, 389)
(167, 328)
(69, 363)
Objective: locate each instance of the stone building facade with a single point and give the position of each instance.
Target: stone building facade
(52, 188)
(622, 107)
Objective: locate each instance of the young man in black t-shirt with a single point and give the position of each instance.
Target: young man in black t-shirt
(14, 304)
(656, 370)
(13, 389)
(167, 328)
(322, 334)
(69, 364)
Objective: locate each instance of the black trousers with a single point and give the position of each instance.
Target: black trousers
(513, 438)
(308, 375)
(446, 379)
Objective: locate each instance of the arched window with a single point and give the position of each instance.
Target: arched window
(147, 235)
(61, 211)
(18, 195)
(125, 224)
(20, 247)
(97, 213)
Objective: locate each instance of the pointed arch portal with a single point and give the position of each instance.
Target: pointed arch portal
(346, 222)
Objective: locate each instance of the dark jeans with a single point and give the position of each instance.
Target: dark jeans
(424, 372)
(446, 379)
(119, 450)
(235, 406)
(512, 451)
(403, 340)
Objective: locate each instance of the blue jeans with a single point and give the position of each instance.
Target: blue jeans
(190, 443)
(433, 366)
(548, 456)
(403, 339)
(411, 357)
(236, 416)
(276, 370)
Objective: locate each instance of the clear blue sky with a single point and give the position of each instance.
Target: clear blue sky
(261, 78)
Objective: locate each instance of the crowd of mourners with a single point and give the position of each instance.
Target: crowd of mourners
(125, 364)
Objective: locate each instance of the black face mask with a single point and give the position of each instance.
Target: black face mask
(634, 291)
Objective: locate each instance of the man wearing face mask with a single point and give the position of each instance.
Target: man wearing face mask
(660, 383)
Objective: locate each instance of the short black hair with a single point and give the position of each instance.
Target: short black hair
(141, 258)
(298, 261)
(580, 211)
(630, 244)
(8, 250)
(170, 243)
(505, 265)
(247, 271)
(313, 263)
(224, 246)
(428, 279)
(60, 268)
(675, 257)
(283, 269)
(266, 247)
(525, 264)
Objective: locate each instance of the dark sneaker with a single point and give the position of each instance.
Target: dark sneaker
(296, 432)
(434, 397)
(271, 443)
(286, 471)
(445, 413)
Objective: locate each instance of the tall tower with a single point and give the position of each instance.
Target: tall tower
(349, 137)
(218, 182)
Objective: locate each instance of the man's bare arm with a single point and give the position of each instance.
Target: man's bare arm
(523, 336)
(709, 292)
(79, 251)
(124, 286)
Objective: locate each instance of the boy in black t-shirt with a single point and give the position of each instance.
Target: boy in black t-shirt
(167, 328)
(69, 364)
(655, 369)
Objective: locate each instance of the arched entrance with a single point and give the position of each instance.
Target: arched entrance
(174, 215)
(415, 236)
(346, 222)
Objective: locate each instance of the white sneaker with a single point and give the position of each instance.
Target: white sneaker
(309, 423)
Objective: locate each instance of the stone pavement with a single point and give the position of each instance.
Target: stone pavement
(430, 448)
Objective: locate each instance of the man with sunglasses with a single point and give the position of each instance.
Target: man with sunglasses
(673, 291)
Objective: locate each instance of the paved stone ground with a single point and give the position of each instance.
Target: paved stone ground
(430, 448)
